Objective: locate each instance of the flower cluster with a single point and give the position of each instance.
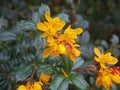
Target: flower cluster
(30, 86)
(57, 42)
(36, 85)
(107, 74)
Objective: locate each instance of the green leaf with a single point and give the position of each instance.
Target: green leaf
(64, 17)
(7, 36)
(23, 72)
(78, 63)
(25, 26)
(42, 9)
(37, 42)
(79, 82)
(115, 39)
(47, 70)
(63, 85)
(68, 64)
(85, 37)
(56, 81)
(104, 44)
(35, 17)
(81, 22)
(3, 22)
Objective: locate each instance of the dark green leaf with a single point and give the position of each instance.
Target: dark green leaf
(42, 9)
(79, 82)
(25, 26)
(78, 63)
(104, 44)
(7, 36)
(64, 17)
(63, 85)
(115, 39)
(37, 42)
(85, 37)
(68, 64)
(3, 22)
(23, 72)
(56, 81)
(35, 17)
(47, 70)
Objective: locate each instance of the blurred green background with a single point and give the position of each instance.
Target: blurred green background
(103, 15)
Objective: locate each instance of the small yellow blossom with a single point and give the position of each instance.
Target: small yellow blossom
(73, 52)
(37, 86)
(55, 48)
(104, 59)
(21, 87)
(45, 78)
(50, 27)
(71, 34)
(107, 76)
(30, 86)
(104, 79)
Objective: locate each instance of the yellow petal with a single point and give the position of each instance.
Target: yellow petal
(103, 65)
(28, 85)
(46, 53)
(37, 86)
(97, 59)
(21, 87)
(58, 26)
(106, 80)
(113, 61)
(45, 78)
(56, 19)
(44, 35)
(78, 30)
(76, 45)
(116, 78)
(97, 52)
(50, 39)
(99, 81)
(41, 26)
(77, 52)
(61, 49)
(72, 57)
(47, 16)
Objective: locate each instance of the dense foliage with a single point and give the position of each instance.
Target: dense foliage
(21, 47)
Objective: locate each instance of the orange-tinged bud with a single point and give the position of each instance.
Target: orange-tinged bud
(64, 73)
(45, 78)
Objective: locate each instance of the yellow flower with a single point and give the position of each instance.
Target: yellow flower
(61, 49)
(104, 59)
(45, 78)
(37, 86)
(30, 86)
(50, 27)
(104, 79)
(73, 52)
(115, 74)
(107, 76)
(21, 87)
(55, 48)
(71, 34)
